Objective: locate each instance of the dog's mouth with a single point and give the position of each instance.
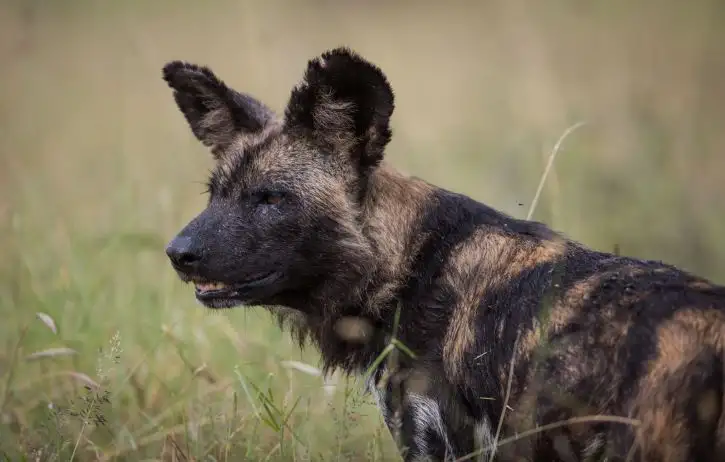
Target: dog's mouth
(216, 294)
(209, 287)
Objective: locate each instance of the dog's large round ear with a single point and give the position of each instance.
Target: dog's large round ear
(218, 115)
(344, 103)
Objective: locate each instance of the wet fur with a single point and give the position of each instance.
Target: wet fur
(590, 333)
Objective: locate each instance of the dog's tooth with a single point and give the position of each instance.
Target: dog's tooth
(207, 286)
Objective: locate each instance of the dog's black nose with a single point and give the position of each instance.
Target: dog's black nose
(182, 253)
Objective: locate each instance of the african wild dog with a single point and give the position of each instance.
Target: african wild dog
(306, 218)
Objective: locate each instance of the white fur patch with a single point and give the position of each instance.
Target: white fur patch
(484, 438)
(594, 446)
(427, 415)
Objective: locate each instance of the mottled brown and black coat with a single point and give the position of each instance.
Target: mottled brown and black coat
(306, 218)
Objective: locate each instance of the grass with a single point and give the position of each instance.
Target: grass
(105, 355)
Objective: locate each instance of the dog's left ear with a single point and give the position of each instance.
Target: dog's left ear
(217, 114)
(344, 103)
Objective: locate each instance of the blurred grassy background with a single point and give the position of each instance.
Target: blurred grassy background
(98, 170)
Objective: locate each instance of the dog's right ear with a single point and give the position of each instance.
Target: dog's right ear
(218, 115)
(344, 103)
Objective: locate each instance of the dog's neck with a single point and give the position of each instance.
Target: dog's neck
(362, 299)
(391, 213)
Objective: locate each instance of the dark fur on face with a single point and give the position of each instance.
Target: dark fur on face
(306, 218)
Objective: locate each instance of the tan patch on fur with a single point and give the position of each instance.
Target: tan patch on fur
(354, 329)
(560, 315)
(665, 431)
(521, 260)
(685, 335)
(664, 427)
(485, 262)
(394, 205)
(564, 310)
(702, 285)
(529, 341)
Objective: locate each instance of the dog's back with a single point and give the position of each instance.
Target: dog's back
(624, 338)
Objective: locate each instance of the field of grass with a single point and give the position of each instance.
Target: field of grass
(105, 354)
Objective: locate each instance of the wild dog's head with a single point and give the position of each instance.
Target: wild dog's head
(283, 217)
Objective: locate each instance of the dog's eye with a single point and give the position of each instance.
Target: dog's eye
(272, 198)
